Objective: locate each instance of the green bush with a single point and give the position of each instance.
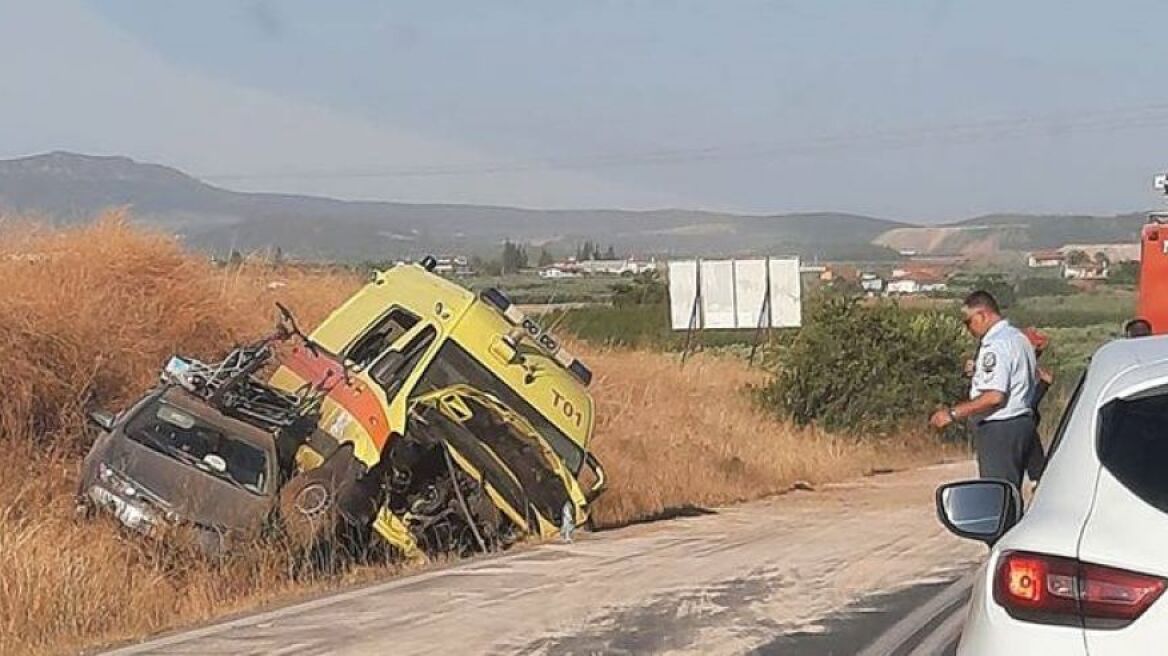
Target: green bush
(1125, 273)
(868, 368)
(642, 289)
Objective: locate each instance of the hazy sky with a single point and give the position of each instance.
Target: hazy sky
(923, 110)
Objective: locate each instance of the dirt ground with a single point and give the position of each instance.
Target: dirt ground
(719, 581)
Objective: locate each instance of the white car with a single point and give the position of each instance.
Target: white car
(1084, 570)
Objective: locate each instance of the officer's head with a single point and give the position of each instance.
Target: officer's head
(980, 311)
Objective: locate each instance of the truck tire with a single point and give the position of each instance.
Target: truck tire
(310, 503)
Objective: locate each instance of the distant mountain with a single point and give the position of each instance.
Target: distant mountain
(993, 233)
(67, 188)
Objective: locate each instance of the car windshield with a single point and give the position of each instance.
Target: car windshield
(453, 365)
(180, 435)
(1134, 447)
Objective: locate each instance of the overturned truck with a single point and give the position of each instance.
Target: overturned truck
(418, 412)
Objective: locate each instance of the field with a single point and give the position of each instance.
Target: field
(1077, 325)
(531, 289)
(88, 315)
(1104, 306)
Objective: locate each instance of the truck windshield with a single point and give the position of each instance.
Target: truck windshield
(180, 435)
(454, 365)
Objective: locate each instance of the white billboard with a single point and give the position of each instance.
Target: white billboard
(727, 294)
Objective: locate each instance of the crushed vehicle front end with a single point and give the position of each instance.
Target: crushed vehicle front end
(469, 474)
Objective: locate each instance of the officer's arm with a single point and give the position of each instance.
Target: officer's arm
(991, 380)
(988, 402)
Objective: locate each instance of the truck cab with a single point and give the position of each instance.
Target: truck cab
(411, 345)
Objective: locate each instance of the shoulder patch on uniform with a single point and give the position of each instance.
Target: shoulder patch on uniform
(989, 361)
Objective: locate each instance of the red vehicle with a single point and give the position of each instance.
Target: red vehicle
(1151, 306)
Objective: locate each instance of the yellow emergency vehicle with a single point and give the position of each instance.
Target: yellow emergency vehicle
(452, 421)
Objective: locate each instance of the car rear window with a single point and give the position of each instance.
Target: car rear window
(180, 435)
(1133, 445)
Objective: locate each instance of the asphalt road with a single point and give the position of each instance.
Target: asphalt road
(923, 620)
(859, 568)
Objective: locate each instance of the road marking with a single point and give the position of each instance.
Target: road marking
(903, 631)
(944, 635)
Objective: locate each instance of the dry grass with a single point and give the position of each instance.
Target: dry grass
(672, 437)
(88, 315)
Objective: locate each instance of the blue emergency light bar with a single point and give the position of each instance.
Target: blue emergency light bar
(542, 338)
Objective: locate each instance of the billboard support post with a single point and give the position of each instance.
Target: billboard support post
(764, 313)
(696, 320)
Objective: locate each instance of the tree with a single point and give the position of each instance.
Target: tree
(610, 254)
(1101, 259)
(587, 251)
(1125, 273)
(514, 257)
(998, 287)
(645, 288)
(1077, 257)
(545, 258)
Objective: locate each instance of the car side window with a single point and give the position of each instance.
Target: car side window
(377, 340)
(1133, 446)
(392, 370)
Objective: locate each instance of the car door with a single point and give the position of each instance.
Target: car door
(1127, 530)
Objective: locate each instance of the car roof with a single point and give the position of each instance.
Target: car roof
(1120, 355)
(181, 398)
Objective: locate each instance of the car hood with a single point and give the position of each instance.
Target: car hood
(174, 486)
(498, 446)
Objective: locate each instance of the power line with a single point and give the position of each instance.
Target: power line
(1103, 121)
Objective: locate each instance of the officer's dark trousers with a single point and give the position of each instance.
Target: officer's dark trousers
(1003, 447)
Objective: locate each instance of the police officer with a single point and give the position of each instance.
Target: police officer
(1000, 395)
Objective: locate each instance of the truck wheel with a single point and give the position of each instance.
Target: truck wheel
(308, 508)
(312, 502)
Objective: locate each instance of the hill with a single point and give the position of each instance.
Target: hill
(67, 188)
(1014, 232)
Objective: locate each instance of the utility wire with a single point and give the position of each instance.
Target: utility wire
(1105, 121)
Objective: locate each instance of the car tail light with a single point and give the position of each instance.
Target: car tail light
(1056, 590)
